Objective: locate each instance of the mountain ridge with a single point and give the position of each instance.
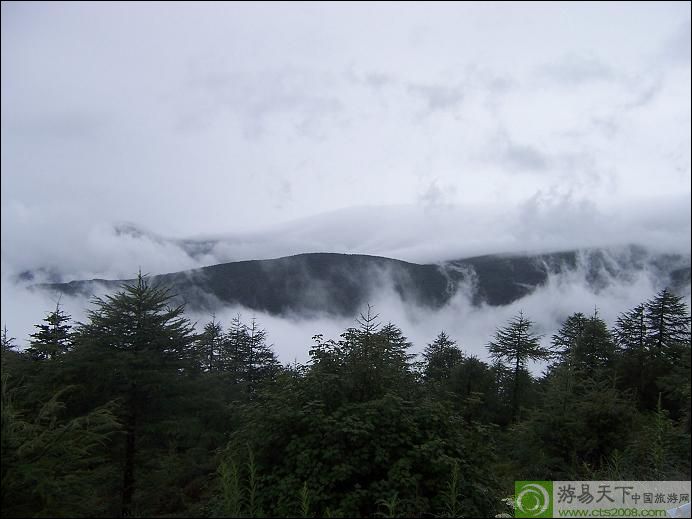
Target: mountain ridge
(340, 283)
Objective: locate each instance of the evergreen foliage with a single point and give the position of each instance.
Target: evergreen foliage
(514, 346)
(441, 357)
(135, 414)
(53, 338)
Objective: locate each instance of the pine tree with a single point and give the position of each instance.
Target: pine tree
(584, 344)
(53, 338)
(668, 322)
(7, 341)
(515, 345)
(210, 344)
(234, 350)
(654, 339)
(138, 344)
(262, 363)
(631, 330)
(632, 338)
(565, 342)
(597, 351)
(374, 359)
(441, 356)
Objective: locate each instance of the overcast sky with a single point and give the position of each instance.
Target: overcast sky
(197, 119)
(193, 118)
(418, 131)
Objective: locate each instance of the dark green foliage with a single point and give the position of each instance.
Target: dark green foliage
(53, 338)
(654, 341)
(48, 460)
(242, 354)
(362, 454)
(140, 416)
(476, 391)
(6, 341)
(210, 346)
(584, 345)
(441, 357)
(136, 349)
(514, 346)
(668, 322)
(660, 450)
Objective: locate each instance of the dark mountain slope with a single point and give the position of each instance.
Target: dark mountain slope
(341, 284)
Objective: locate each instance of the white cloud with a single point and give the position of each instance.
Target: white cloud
(271, 123)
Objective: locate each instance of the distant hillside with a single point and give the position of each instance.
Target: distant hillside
(340, 284)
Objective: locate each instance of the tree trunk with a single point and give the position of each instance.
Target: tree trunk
(129, 468)
(515, 392)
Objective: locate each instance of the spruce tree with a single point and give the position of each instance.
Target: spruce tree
(668, 322)
(441, 356)
(53, 338)
(6, 341)
(514, 346)
(262, 363)
(584, 344)
(375, 358)
(138, 345)
(654, 340)
(631, 330)
(210, 344)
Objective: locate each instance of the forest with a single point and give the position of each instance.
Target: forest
(135, 412)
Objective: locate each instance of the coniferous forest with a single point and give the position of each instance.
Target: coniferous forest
(136, 412)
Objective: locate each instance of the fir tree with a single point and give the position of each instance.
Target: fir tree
(441, 357)
(138, 344)
(515, 345)
(262, 363)
(53, 338)
(631, 330)
(584, 344)
(668, 322)
(6, 341)
(210, 345)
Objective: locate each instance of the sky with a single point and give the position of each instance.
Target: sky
(421, 131)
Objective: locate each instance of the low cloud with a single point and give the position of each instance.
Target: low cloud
(472, 325)
(435, 230)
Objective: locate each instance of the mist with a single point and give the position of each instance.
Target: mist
(162, 140)
(470, 325)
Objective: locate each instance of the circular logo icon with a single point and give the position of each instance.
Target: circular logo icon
(533, 500)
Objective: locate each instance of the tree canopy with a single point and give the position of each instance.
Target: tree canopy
(135, 413)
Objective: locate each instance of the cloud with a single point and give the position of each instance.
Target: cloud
(570, 168)
(59, 125)
(434, 196)
(433, 230)
(678, 48)
(262, 98)
(471, 325)
(260, 131)
(523, 157)
(438, 98)
(575, 69)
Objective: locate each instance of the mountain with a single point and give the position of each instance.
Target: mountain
(340, 284)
